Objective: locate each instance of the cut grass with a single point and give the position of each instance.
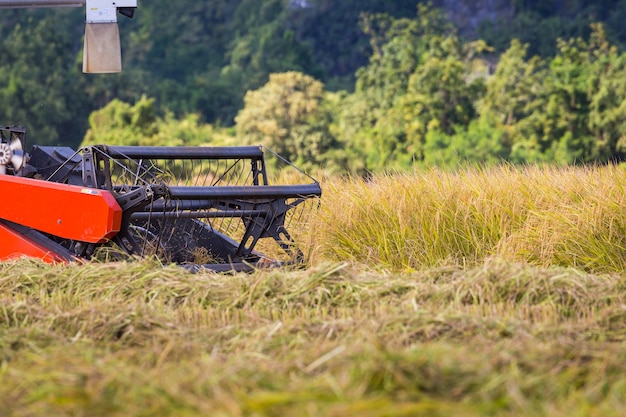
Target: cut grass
(136, 339)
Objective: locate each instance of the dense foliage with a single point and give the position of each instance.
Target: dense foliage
(382, 85)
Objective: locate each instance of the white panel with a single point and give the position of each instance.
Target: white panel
(101, 11)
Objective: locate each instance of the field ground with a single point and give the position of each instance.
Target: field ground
(473, 294)
(140, 340)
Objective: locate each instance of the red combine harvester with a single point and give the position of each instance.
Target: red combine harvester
(201, 207)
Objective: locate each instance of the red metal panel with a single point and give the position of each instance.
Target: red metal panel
(67, 211)
(15, 245)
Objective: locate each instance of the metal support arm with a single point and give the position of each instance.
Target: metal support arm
(17, 4)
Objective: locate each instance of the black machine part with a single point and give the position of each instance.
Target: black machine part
(202, 207)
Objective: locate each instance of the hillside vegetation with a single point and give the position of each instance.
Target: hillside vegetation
(481, 293)
(426, 98)
(359, 86)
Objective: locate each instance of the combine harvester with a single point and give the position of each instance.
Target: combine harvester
(200, 207)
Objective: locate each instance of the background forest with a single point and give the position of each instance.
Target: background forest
(358, 85)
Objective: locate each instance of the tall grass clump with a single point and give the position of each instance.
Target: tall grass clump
(574, 216)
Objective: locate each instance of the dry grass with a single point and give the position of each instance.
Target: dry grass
(139, 339)
(544, 216)
(482, 293)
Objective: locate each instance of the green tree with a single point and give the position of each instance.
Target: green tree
(120, 123)
(338, 43)
(174, 52)
(607, 102)
(421, 76)
(582, 116)
(570, 111)
(287, 115)
(398, 48)
(442, 92)
(515, 101)
(263, 44)
(565, 116)
(480, 143)
(35, 89)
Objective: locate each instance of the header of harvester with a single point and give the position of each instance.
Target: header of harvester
(102, 49)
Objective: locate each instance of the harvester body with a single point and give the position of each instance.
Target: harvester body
(201, 207)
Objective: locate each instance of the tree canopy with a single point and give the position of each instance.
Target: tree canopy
(357, 85)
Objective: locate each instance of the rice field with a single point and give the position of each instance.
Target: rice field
(485, 292)
(573, 217)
